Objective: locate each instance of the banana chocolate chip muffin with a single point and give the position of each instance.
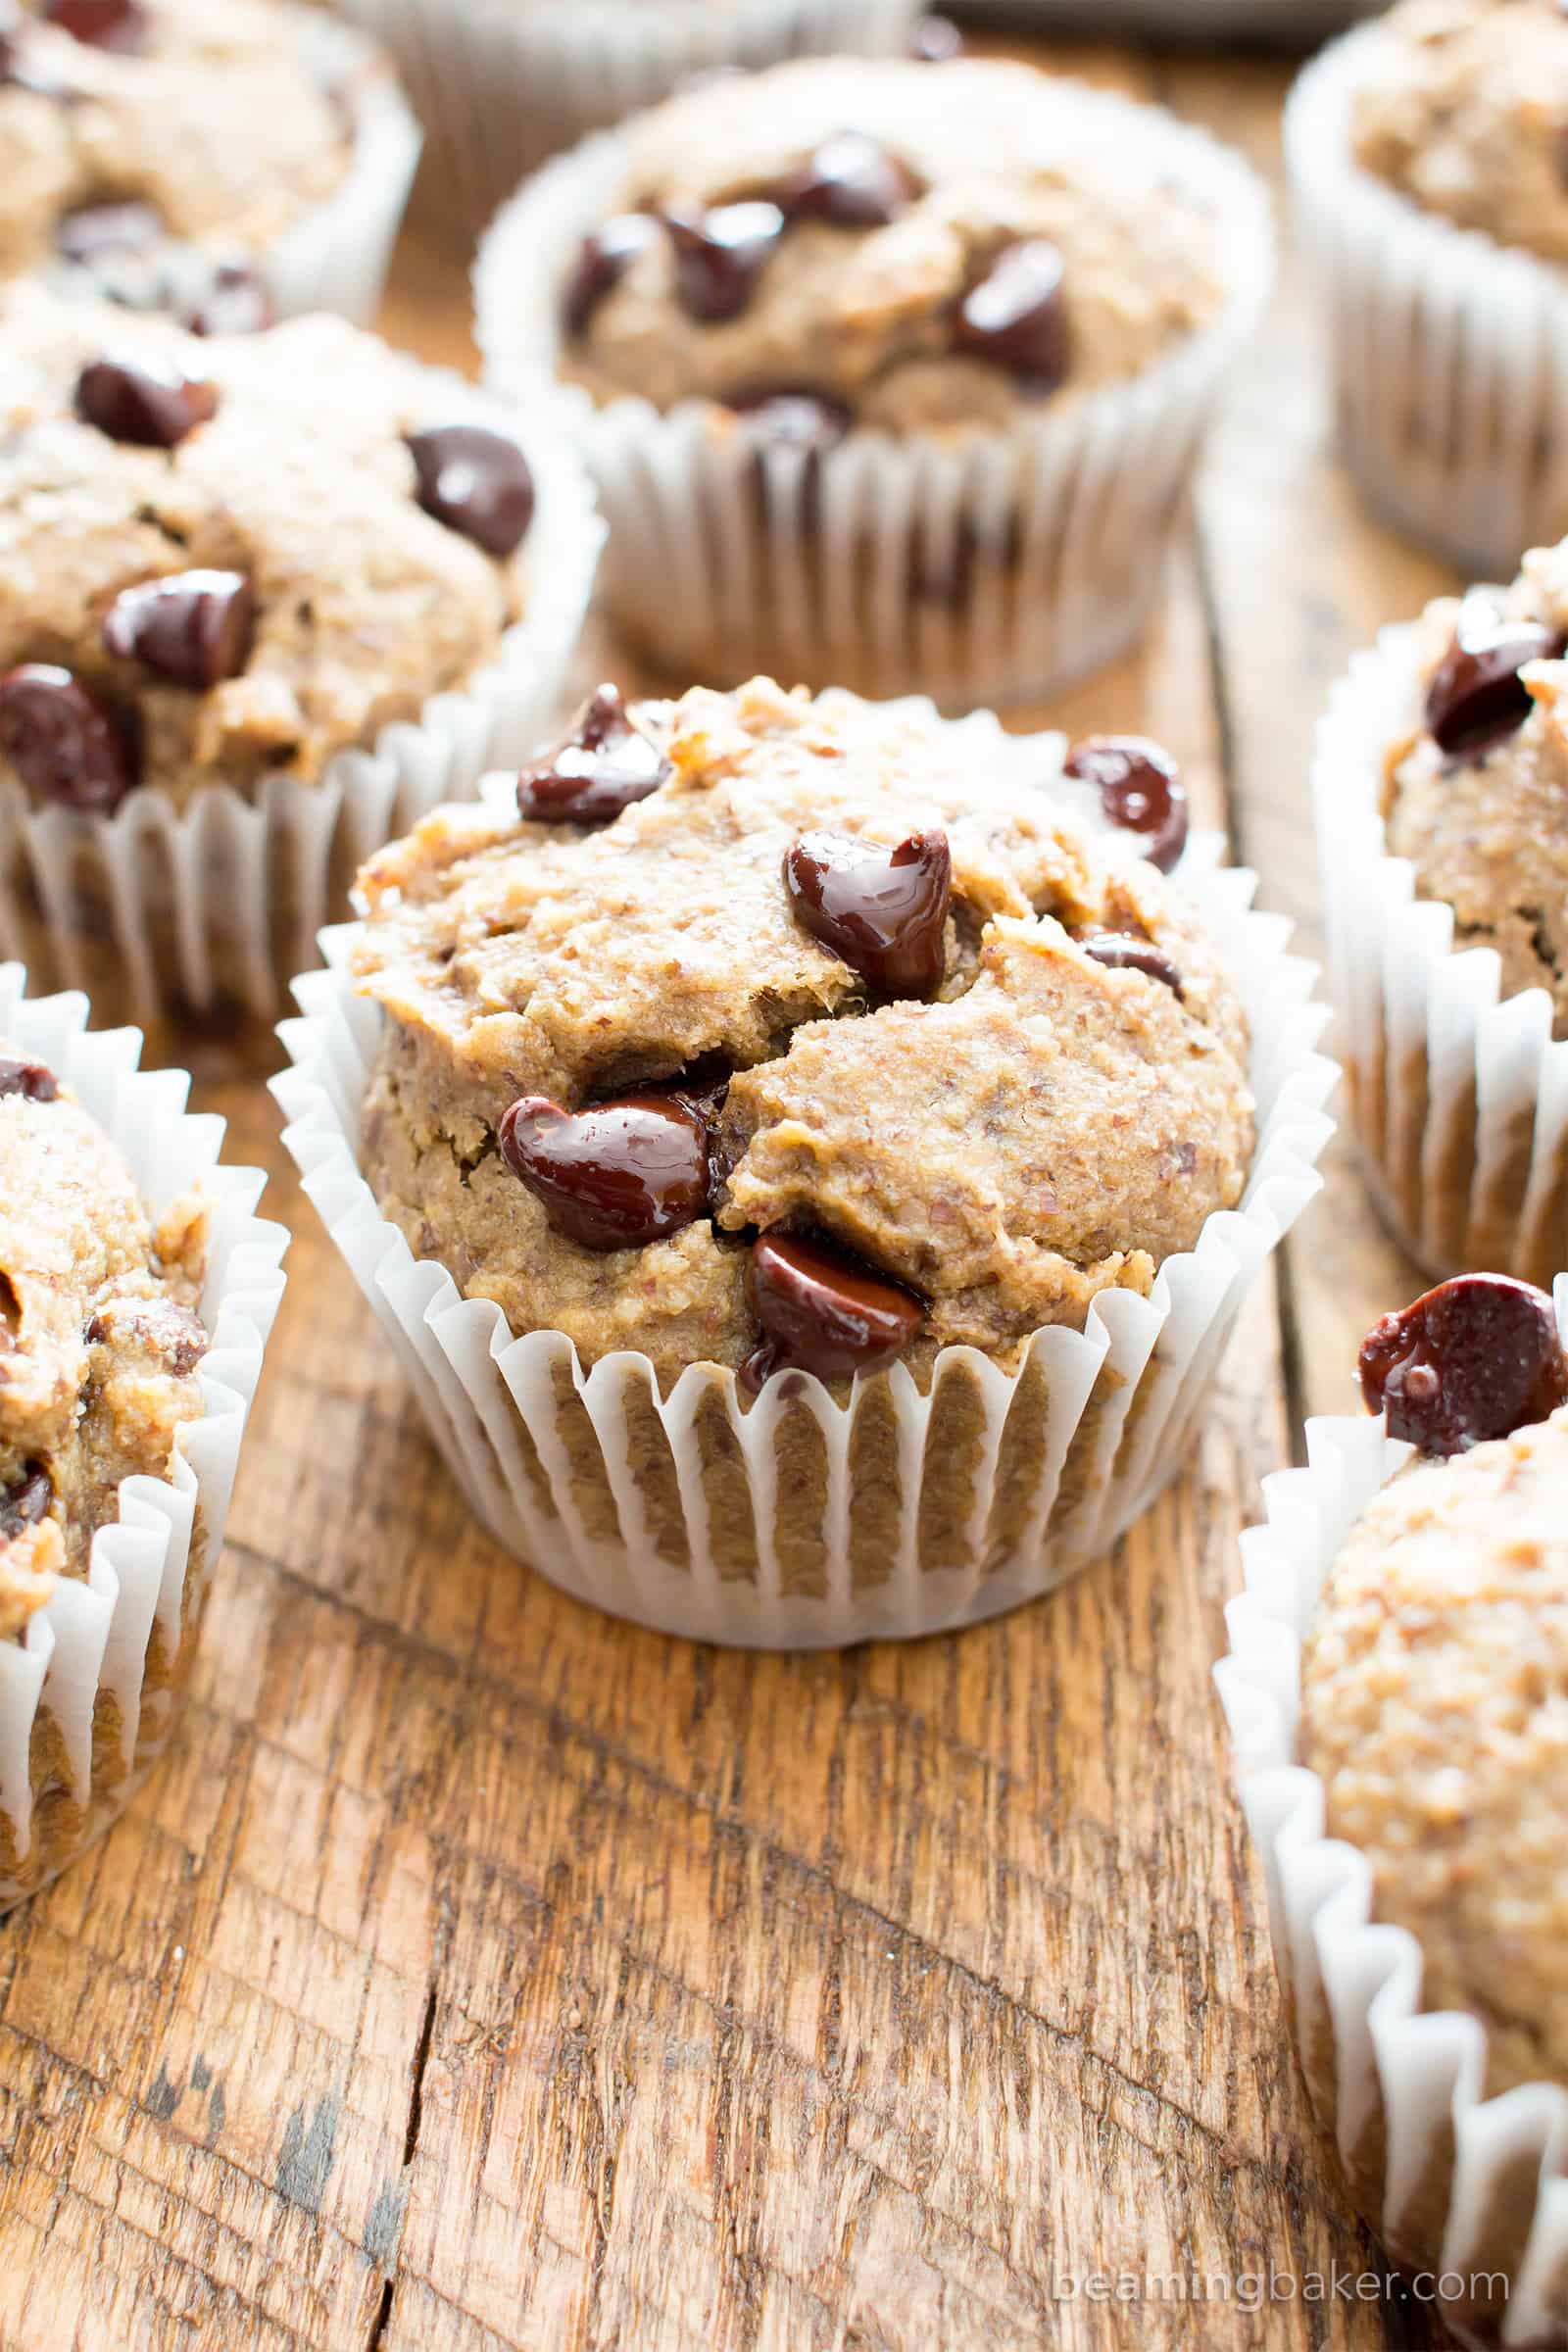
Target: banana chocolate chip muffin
(1435, 1679)
(779, 1035)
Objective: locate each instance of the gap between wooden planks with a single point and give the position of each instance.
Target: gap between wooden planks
(481, 1973)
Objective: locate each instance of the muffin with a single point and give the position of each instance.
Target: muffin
(263, 599)
(822, 1111)
(1442, 803)
(501, 84)
(109, 1307)
(223, 165)
(1425, 156)
(1429, 1579)
(891, 375)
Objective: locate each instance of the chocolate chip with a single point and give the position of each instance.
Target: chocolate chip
(1477, 698)
(852, 181)
(883, 911)
(721, 255)
(151, 406)
(477, 482)
(823, 1311)
(803, 421)
(237, 301)
(64, 743)
(936, 40)
(602, 765)
(1475, 1360)
(120, 24)
(94, 232)
(603, 260)
(1016, 316)
(1123, 952)
(193, 628)
(30, 1079)
(25, 1502)
(615, 1176)
(1141, 790)
(155, 1327)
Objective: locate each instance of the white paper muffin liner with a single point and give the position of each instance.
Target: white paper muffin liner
(975, 572)
(500, 84)
(1458, 1093)
(81, 1667)
(170, 916)
(1457, 2184)
(800, 1523)
(1280, 21)
(1450, 351)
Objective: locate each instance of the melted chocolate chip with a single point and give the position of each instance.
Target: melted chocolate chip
(1475, 1360)
(236, 301)
(27, 1502)
(1141, 790)
(193, 628)
(719, 256)
(883, 911)
(64, 743)
(477, 482)
(1016, 316)
(95, 231)
(823, 1311)
(154, 408)
(120, 24)
(850, 181)
(1123, 952)
(615, 1176)
(30, 1079)
(603, 261)
(1477, 698)
(601, 766)
(935, 41)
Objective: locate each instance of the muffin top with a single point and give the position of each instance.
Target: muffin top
(127, 123)
(1476, 792)
(227, 559)
(773, 1021)
(99, 1334)
(1465, 110)
(914, 246)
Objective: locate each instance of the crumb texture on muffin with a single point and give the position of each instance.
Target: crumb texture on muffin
(1465, 112)
(926, 248)
(1434, 1708)
(100, 1337)
(1036, 1125)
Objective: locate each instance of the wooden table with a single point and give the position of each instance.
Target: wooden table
(480, 1973)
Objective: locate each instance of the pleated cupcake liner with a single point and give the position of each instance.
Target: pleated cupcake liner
(1450, 351)
(1459, 1093)
(978, 570)
(202, 915)
(1469, 2191)
(500, 85)
(335, 256)
(798, 1522)
(89, 1693)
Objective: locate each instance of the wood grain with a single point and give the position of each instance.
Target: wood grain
(480, 1973)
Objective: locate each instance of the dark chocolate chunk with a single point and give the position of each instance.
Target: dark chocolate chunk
(236, 301)
(615, 1176)
(1477, 698)
(94, 232)
(193, 628)
(64, 743)
(850, 181)
(30, 1079)
(24, 1504)
(102, 23)
(1141, 790)
(477, 482)
(603, 260)
(719, 256)
(883, 911)
(602, 765)
(823, 1311)
(132, 399)
(1016, 316)
(1124, 951)
(1475, 1360)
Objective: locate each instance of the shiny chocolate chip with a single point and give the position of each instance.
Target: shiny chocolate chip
(30, 1079)
(935, 41)
(193, 628)
(603, 261)
(1016, 316)
(64, 742)
(120, 24)
(602, 765)
(94, 232)
(477, 482)
(823, 1311)
(1475, 1360)
(721, 255)
(615, 1176)
(236, 301)
(850, 181)
(1124, 951)
(25, 1502)
(1141, 790)
(1477, 698)
(151, 406)
(883, 911)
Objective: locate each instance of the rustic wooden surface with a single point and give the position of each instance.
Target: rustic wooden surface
(480, 1973)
